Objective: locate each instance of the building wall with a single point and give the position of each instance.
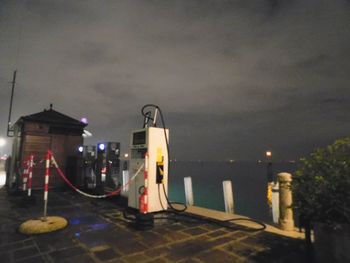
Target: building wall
(36, 140)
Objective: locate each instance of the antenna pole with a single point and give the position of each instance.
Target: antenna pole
(11, 100)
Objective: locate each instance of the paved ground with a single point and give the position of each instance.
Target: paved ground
(98, 232)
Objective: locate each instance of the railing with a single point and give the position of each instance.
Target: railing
(281, 196)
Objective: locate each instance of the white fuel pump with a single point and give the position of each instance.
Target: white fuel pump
(148, 148)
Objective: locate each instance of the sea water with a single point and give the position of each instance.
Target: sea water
(249, 181)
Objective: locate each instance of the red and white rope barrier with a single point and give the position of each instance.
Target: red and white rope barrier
(116, 192)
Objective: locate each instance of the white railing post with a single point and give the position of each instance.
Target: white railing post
(188, 190)
(275, 202)
(125, 188)
(228, 196)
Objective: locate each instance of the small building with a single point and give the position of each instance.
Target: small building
(36, 134)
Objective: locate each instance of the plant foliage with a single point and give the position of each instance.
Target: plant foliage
(321, 186)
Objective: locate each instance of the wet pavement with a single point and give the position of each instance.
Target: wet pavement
(98, 232)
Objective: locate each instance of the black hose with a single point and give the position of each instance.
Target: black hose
(263, 226)
(160, 199)
(168, 153)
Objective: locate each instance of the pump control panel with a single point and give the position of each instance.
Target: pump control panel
(149, 168)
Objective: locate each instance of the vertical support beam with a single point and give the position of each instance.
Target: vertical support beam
(228, 196)
(188, 190)
(11, 101)
(286, 220)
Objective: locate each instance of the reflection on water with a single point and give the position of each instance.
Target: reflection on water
(249, 181)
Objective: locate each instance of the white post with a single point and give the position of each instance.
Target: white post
(188, 190)
(275, 202)
(228, 197)
(125, 188)
(286, 221)
(31, 163)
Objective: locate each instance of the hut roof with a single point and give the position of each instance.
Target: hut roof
(53, 117)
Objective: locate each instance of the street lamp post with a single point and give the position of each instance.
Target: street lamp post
(269, 166)
(269, 177)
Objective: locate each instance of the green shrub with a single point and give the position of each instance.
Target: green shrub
(321, 186)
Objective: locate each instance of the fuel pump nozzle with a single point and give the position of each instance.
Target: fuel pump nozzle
(148, 117)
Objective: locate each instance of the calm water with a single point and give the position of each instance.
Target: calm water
(249, 180)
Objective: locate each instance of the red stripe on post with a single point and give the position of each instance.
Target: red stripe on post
(47, 170)
(30, 172)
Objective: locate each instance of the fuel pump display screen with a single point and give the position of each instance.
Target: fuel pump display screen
(139, 138)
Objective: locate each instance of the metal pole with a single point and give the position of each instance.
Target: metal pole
(11, 100)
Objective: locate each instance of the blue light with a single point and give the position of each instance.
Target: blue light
(80, 149)
(74, 221)
(101, 146)
(84, 120)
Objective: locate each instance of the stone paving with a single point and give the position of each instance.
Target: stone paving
(98, 232)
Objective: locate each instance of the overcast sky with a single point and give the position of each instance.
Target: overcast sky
(233, 78)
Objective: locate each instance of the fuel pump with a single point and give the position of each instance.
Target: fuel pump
(74, 168)
(108, 165)
(148, 156)
(148, 170)
(89, 161)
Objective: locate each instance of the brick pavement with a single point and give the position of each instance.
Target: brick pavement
(98, 232)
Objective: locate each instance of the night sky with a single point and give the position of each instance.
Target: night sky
(233, 78)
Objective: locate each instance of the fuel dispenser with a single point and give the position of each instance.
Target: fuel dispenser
(74, 168)
(148, 158)
(89, 162)
(108, 165)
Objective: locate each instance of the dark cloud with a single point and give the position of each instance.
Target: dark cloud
(232, 77)
(91, 54)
